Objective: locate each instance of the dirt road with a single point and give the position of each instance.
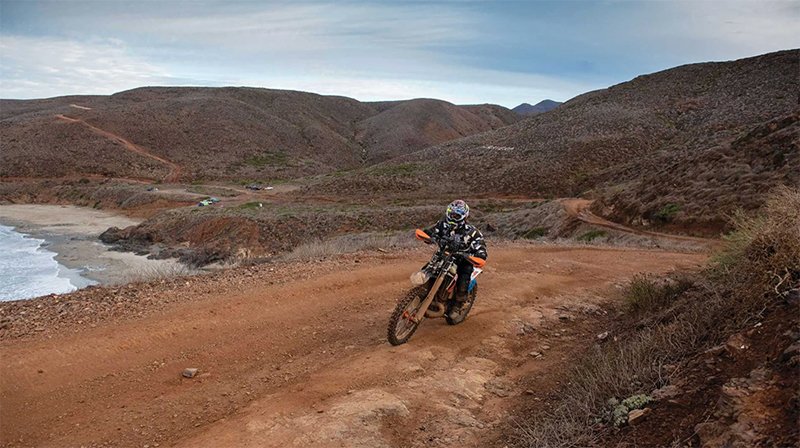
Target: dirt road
(579, 208)
(175, 170)
(304, 362)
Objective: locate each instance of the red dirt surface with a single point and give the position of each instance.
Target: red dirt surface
(298, 357)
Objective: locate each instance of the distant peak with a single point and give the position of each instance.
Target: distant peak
(525, 109)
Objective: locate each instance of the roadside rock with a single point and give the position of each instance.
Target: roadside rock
(743, 410)
(736, 343)
(638, 415)
(190, 372)
(666, 392)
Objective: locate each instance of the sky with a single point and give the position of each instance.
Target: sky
(465, 52)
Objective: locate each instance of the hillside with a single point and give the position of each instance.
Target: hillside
(636, 137)
(221, 133)
(528, 110)
(416, 124)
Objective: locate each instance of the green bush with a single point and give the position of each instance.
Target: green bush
(648, 292)
(251, 206)
(536, 232)
(667, 212)
(591, 235)
(268, 159)
(618, 412)
(402, 170)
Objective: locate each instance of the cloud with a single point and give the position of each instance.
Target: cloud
(460, 51)
(698, 31)
(43, 66)
(506, 89)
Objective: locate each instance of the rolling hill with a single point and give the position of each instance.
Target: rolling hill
(183, 133)
(685, 145)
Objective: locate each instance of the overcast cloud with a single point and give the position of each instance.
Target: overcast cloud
(460, 51)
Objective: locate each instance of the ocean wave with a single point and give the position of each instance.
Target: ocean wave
(27, 269)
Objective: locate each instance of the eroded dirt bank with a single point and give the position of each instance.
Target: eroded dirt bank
(301, 360)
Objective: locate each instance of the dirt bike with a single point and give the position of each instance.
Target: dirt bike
(434, 293)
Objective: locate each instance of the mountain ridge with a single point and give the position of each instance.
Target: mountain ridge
(225, 132)
(528, 110)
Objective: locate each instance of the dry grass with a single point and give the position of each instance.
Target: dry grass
(346, 244)
(160, 271)
(648, 293)
(669, 321)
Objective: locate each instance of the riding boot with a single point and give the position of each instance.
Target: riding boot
(460, 298)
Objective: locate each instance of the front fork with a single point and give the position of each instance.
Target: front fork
(420, 314)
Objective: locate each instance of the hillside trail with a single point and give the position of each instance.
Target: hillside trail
(579, 208)
(302, 359)
(175, 170)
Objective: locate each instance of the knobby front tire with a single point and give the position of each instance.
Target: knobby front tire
(401, 327)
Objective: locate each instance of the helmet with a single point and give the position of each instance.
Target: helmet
(457, 212)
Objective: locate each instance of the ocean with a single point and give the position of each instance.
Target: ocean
(28, 269)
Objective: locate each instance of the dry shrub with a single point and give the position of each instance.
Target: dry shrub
(648, 292)
(765, 250)
(675, 319)
(350, 243)
(159, 271)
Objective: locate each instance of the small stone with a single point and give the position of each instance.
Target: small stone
(602, 336)
(189, 372)
(529, 392)
(736, 343)
(666, 392)
(638, 415)
(545, 347)
(536, 354)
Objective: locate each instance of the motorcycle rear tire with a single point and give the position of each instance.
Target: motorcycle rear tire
(465, 308)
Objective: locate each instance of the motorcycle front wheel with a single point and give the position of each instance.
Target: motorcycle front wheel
(402, 325)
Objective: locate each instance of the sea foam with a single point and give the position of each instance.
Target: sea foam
(29, 270)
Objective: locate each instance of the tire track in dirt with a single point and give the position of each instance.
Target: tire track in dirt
(175, 170)
(305, 362)
(579, 208)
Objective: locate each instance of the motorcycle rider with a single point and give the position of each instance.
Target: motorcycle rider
(454, 226)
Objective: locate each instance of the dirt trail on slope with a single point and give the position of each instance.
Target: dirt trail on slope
(579, 208)
(305, 362)
(175, 170)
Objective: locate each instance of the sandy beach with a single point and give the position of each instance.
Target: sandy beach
(72, 233)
